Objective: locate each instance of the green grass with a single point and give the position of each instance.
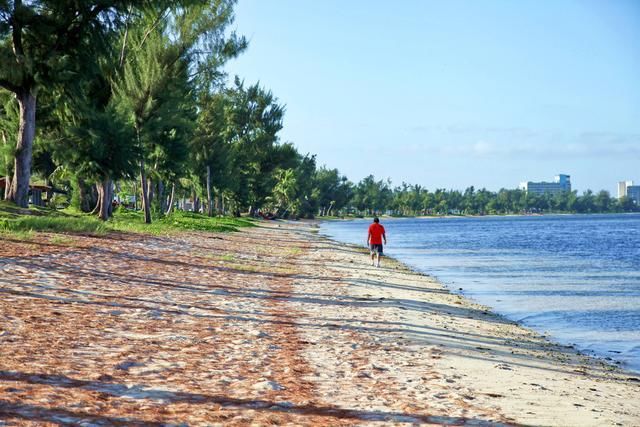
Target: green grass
(14, 220)
(227, 258)
(21, 235)
(60, 240)
(178, 221)
(55, 224)
(294, 251)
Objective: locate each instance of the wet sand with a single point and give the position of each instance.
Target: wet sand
(273, 325)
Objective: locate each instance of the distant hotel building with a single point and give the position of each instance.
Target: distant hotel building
(560, 184)
(626, 188)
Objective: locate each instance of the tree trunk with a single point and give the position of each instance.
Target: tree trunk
(171, 198)
(7, 165)
(161, 200)
(209, 204)
(87, 196)
(150, 191)
(49, 191)
(19, 192)
(216, 203)
(135, 195)
(145, 197)
(98, 206)
(330, 208)
(105, 197)
(110, 199)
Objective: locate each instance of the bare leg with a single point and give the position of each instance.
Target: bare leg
(372, 257)
(377, 259)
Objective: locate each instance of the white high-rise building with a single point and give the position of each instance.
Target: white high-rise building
(622, 188)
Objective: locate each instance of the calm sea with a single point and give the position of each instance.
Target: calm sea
(574, 277)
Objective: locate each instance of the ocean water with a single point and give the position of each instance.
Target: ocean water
(573, 277)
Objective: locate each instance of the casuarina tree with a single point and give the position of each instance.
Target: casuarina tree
(39, 42)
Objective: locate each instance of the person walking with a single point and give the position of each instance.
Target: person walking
(374, 241)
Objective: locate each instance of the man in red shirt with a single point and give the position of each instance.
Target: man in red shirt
(374, 240)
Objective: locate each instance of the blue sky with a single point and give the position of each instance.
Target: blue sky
(448, 94)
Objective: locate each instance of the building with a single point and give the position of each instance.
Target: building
(35, 192)
(626, 188)
(633, 192)
(622, 188)
(561, 183)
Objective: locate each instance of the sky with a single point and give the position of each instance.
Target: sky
(449, 94)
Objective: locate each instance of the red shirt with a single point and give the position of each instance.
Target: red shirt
(375, 232)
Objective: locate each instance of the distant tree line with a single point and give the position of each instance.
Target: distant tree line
(109, 99)
(375, 197)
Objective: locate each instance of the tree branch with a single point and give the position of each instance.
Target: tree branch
(124, 41)
(155, 24)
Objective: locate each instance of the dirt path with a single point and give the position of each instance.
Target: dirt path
(270, 326)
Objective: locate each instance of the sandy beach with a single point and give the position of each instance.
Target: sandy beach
(273, 325)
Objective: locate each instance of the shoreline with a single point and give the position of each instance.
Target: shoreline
(551, 339)
(610, 349)
(274, 324)
(587, 366)
(449, 216)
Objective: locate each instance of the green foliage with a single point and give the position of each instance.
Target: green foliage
(14, 219)
(54, 224)
(59, 201)
(285, 190)
(133, 221)
(8, 128)
(331, 190)
(373, 196)
(252, 120)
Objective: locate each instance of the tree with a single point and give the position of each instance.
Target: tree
(603, 201)
(8, 127)
(627, 204)
(209, 153)
(39, 45)
(285, 190)
(253, 118)
(373, 196)
(170, 42)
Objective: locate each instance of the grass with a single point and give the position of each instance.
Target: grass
(178, 221)
(294, 251)
(60, 240)
(21, 235)
(14, 220)
(54, 224)
(227, 258)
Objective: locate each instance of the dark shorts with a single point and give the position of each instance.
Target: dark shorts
(376, 248)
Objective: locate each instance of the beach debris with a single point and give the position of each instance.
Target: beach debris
(503, 366)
